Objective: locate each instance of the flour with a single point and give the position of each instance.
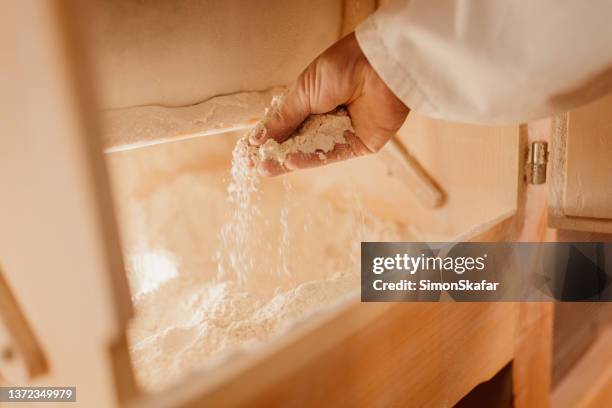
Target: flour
(192, 323)
(238, 240)
(318, 134)
(241, 261)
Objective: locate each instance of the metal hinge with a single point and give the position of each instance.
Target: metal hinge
(535, 170)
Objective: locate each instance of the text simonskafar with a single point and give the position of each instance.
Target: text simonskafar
(412, 264)
(426, 284)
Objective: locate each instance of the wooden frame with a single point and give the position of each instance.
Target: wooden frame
(358, 354)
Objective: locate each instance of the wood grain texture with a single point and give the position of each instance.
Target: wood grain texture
(427, 355)
(576, 328)
(478, 168)
(402, 164)
(196, 49)
(557, 215)
(588, 179)
(532, 361)
(589, 384)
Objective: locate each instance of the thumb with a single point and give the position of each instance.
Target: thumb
(282, 118)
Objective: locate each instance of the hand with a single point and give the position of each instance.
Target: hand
(340, 76)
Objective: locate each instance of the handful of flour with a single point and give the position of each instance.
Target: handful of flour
(319, 134)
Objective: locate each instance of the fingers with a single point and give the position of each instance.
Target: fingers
(271, 168)
(331, 80)
(295, 161)
(284, 118)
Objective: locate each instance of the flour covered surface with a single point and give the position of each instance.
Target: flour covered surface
(220, 264)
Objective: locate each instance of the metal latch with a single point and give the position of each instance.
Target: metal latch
(536, 163)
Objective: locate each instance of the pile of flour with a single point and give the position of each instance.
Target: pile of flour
(195, 321)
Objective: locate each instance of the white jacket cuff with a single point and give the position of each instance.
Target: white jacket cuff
(395, 75)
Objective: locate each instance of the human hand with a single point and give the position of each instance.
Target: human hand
(341, 75)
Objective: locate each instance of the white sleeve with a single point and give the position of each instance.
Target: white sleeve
(492, 61)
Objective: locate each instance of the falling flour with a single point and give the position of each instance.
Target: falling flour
(319, 134)
(238, 238)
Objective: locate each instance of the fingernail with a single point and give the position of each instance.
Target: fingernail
(257, 136)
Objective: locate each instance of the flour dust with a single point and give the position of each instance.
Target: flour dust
(285, 250)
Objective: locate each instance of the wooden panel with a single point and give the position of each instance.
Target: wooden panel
(477, 167)
(196, 49)
(588, 181)
(532, 362)
(372, 355)
(589, 384)
(557, 171)
(576, 328)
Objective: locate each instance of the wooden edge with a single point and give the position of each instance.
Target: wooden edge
(85, 101)
(523, 153)
(85, 105)
(506, 226)
(599, 225)
(589, 383)
(347, 359)
(557, 172)
(21, 355)
(531, 368)
(490, 229)
(406, 167)
(557, 158)
(141, 126)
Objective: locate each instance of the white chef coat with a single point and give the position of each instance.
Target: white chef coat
(492, 61)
